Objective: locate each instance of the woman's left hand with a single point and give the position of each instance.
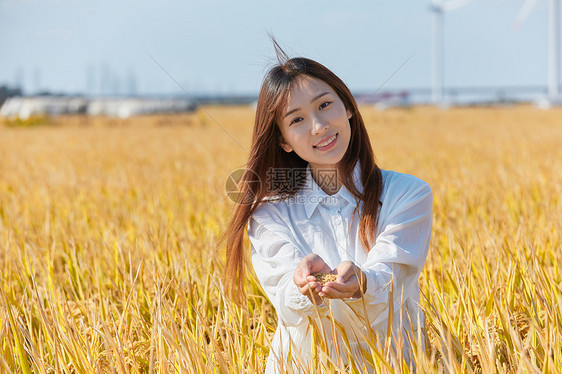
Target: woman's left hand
(351, 282)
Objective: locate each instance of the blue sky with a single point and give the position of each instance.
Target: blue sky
(220, 46)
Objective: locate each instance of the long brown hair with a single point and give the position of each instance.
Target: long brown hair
(266, 153)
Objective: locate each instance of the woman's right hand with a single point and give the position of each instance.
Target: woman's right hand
(304, 279)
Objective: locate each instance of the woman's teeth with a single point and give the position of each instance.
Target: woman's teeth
(326, 142)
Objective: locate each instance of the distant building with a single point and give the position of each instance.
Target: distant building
(128, 107)
(25, 107)
(385, 98)
(6, 92)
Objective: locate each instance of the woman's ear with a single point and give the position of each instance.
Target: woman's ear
(349, 114)
(285, 145)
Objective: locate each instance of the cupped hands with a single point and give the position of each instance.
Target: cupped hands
(350, 281)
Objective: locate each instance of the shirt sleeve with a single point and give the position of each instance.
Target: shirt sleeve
(399, 252)
(275, 257)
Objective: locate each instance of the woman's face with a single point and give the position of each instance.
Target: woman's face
(315, 123)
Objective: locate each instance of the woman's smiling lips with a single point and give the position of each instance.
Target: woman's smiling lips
(327, 142)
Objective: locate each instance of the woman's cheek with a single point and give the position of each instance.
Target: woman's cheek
(336, 115)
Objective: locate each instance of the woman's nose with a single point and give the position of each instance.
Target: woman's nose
(318, 125)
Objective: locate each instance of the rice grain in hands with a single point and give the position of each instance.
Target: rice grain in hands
(324, 278)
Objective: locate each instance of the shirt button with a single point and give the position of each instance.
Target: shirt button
(338, 220)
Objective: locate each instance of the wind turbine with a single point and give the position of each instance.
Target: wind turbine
(439, 7)
(553, 42)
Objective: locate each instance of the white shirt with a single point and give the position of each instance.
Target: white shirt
(282, 232)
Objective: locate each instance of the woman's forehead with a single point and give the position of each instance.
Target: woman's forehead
(306, 87)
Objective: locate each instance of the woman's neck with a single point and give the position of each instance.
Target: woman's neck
(327, 179)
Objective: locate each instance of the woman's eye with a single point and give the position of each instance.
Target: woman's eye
(298, 119)
(324, 105)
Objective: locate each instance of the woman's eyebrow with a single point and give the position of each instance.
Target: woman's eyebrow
(312, 100)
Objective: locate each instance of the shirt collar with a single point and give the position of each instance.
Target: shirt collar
(314, 195)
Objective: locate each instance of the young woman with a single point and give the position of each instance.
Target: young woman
(320, 204)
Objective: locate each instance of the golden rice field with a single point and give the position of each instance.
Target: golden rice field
(109, 228)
